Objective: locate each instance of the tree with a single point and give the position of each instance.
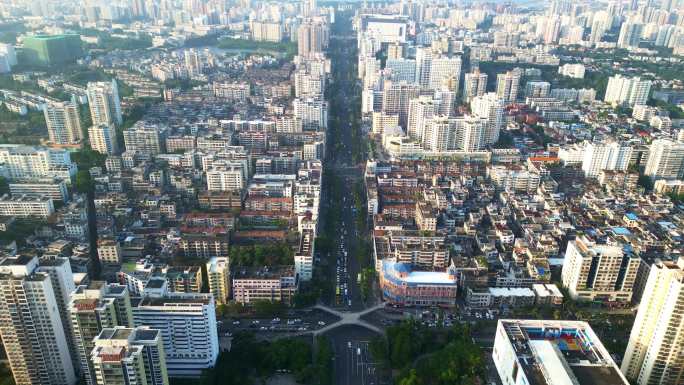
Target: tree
(401, 350)
(4, 186)
(324, 361)
(268, 308)
(20, 230)
(220, 310)
(84, 182)
(645, 182)
(411, 379)
(87, 158)
(379, 350)
(6, 375)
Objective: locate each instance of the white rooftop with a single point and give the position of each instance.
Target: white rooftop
(427, 277)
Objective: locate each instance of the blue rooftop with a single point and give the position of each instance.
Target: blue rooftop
(631, 216)
(621, 231)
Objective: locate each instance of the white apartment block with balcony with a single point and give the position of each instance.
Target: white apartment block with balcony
(653, 354)
(665, 160)
(25, 206)
(20, 161)
(599, 156)
(188, 326)
(218, 275)
(104, 103)
(599, 272)
(31, 326)
(627, 91)
(102, 138)
(63, 122)
(129, 356)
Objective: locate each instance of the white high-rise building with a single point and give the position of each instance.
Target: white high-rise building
(465, 133)
(628, 91)
(611, 156)
(537, 89)
(445, 71)
(193, 62)
(396, 97)
(424, 56)
(491, 107)
(309, 84)
(552, 29)
(599, 272)
(266, 31)
(188, 326)
(218, 275)
(31, 325)
(227, 177)
(471, 133)
(601, 23)
(313, 112)
(102, 138)
(437, 133)
(92, 308)
(444, 101)
(36, 162)
(653, 354)
(145, 138)
(507, 85)
(59, 270)
(104, 103)
(382, 121)
(63, 122)
(371, 75)
(401, 70)
(129, 356)
(630, 35)
(475, 84)
(665, 160)
(421, 110)
(312, 37)
(309, 8)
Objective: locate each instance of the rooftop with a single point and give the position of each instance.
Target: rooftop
(173, 299)
(402, 273)
(567, 350)
(50, 37)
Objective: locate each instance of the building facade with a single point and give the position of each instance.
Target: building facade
(653, 354)
(63, 122)
(218, 276)
(126, 356)
(599, 272)
(402, 286)
(31, 325)
(104, 103)
(188, 328)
